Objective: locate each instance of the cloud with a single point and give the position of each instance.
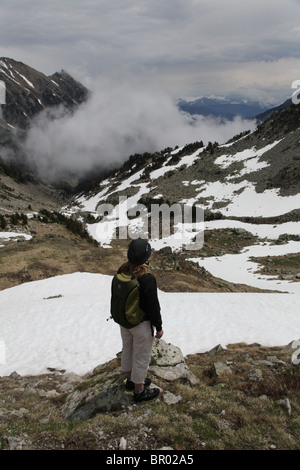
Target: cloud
(118, 120)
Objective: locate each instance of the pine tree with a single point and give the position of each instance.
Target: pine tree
(3, 222)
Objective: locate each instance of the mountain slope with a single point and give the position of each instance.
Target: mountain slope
(266, 114)
(248, 188)
(28, 92)
(264, 161)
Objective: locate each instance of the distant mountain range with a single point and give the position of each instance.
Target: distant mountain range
(225, 108)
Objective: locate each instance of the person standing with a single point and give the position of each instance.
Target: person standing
(137, 341)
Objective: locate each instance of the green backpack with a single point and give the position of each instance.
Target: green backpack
(125, 301)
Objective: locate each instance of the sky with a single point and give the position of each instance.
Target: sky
(188, 48)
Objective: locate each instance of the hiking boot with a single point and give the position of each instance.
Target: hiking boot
(146, 394)
(130, 385)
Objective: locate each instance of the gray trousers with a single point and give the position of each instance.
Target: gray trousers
(136, 351)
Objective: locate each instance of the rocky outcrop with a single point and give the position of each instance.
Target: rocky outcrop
(104, 390)
(168, 363)
(220, 368)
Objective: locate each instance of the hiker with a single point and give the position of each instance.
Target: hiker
(137, 340)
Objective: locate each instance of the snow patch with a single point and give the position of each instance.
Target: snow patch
(71, 332)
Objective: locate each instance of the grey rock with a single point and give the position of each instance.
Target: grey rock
(272, 359)
(263, 397)
(224, 424)
(171, 399)
(111, 397)
(3, 413)
(70, 381)
(255, 374)
(123, 444)
(172, 373)
(29, 101)
(285, 403)
(215, 350)
(220, 368)
(15, 375)
(275, 360)
(18, 443)
(167, 362)
(165, 354)
(16, 414)
(264, 363)
(239, 231)
(286, 277)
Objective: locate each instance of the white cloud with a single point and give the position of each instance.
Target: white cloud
(120, 119)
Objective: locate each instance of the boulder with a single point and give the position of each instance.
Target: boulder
(215, 350)
(167, 362)
(165, 354)
(108, 397)
(285, 403)
(171, 399)
(176, 372)
(220, 368)
(105, 390)
(255, 375)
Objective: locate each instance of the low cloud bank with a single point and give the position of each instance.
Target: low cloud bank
(116, 122)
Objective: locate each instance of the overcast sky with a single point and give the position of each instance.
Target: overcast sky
(188, 47)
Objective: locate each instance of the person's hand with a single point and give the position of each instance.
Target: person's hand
(159, 334)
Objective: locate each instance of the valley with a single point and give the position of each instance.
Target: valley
(230, 302)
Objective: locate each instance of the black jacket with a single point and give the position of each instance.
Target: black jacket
(149, 302)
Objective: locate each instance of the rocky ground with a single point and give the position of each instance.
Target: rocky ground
(235, 397)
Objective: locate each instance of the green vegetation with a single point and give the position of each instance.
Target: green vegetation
(74, 225)
(13, 219)
(3, 222)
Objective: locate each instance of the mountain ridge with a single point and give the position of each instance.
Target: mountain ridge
(222, 107)
(29, 91)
